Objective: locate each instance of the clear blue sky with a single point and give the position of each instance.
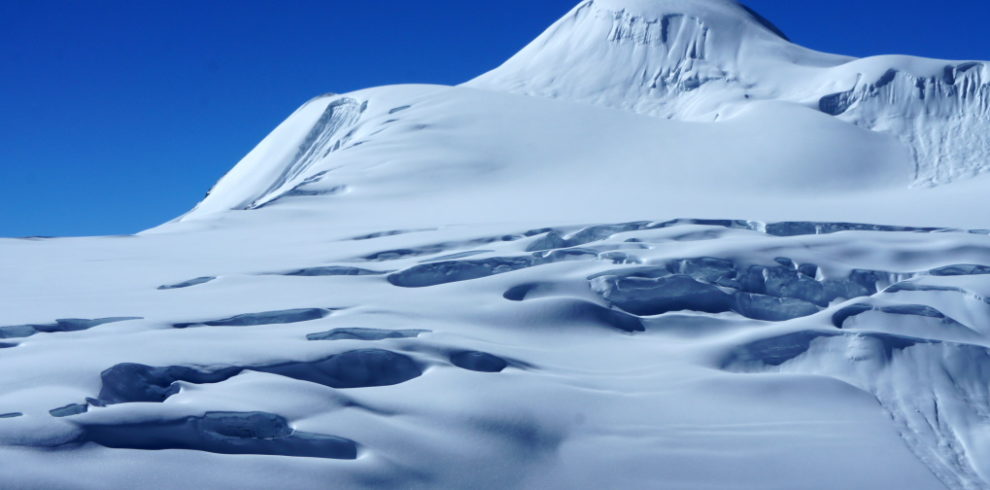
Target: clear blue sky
(117, 115)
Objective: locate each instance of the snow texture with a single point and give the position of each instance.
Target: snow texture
(661, 247)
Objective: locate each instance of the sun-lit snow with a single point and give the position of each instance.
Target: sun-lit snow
(703, 60)
(637, 255)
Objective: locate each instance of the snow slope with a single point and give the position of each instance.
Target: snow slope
(638, 91)
(450, 155)
(627, 258)
(702, 60)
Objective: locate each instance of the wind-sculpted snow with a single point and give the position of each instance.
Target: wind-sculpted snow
(332, 131)
(553, 357)
(647, 297)
(384, 234)
(333, 270)
(713, 285)
(437, 163)
(262, 318)
(935, 392)
(961, 270)
(322, 126)
(942, 116)
(797, 228)
(674, 51)
(505, 313)
(554, 245)
(358, 333)
(436, 273)
(60, 325)
(437, 248)
(703, 61)
(69, 410)
(128, 383)
(221, 432)
(189, 283)
(839, 319)
(353, 369)
(447, 271)
(478, 361)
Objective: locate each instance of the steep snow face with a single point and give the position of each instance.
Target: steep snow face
(670, 58)
(423, 155)
(712, 99)
(939, 110)
(320, 127)
(703, 60)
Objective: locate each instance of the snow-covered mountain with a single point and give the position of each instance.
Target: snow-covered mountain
(705, 60)
(627, 258)
(682, 73)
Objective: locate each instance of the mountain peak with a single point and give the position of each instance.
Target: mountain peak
(663, 6)
(713, 11)
(641, 55)
(710, 60)
(700, 61)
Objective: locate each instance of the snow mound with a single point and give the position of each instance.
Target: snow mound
(854, 354)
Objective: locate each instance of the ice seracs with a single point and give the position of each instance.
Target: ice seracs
(638, 255)
(669, 58)
(626, 98)
(702, 60)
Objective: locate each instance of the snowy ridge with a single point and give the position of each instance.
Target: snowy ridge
(664, 58)
(702, 60)
(929, 388)
(331, 132)
(320, 127)
(877, 124)
(489, 286)
(449, 153)
(944, 118)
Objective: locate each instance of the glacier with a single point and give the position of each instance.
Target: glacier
(660, 247)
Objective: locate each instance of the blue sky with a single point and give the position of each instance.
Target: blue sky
(117, 115)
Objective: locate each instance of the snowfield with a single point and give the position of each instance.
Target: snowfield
(661, 247)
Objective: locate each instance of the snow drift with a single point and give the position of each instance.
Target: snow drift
(637, 255)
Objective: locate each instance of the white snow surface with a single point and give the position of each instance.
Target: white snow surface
(705, 60)
(631, 257)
